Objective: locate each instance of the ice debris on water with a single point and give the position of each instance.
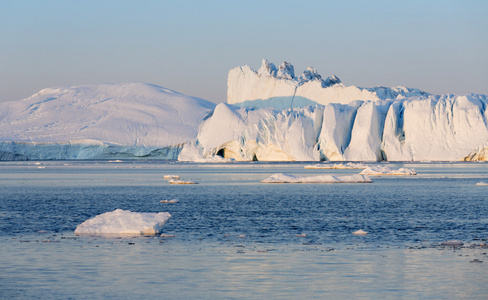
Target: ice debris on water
(170, 201)
(386, 171)
(301, 235)
(360, 232)
(166, 235)
(286, 178)
(336, 166)
(172, 181)
(476, 261)
(171, 177)
(452, 243)
(481, 183)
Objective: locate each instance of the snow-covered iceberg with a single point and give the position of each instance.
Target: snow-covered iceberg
(286, 178)
(103, 121)
(123, 222)
(433, 128)
(280, 88)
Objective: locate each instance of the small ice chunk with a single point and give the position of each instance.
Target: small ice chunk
(166, 235)
(452, 243)
(172, 181)
(285, 178)
(476, 261)
(124, 222)
(171, 177)
(301, 235)
(386, 171)
(170, 201)
(481, 183)
(360, 232)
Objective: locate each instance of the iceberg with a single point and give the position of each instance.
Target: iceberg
(123, 222)
(280, 88)
(104, 121)
(286, 178)
(386, 171)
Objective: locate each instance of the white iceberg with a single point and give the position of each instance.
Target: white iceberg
(123, 222)
(168, 176)
(386, 171)
(285, 178)
(280, 88)
(481, 183)
(103, 121)
(336, 166)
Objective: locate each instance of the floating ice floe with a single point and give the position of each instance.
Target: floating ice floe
(285, 178)
(123, 222)
(360, 232)
(481, 183)
(386, 171)
(166, 235)
(337, 166)
(172, 181)
(170, 201)
(476, 261)
(171, 177)
(453, 243)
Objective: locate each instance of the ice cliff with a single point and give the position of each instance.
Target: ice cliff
(434, 128)
(280, 88)
(100, 121)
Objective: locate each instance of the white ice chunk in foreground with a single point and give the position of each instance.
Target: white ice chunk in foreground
(124, 222)
(285, 178)
(481, 183)
(383, 171)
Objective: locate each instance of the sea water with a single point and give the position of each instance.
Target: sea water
(237, 238)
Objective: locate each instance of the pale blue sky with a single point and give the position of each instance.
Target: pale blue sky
(189, 46)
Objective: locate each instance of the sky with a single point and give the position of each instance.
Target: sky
(189, 46)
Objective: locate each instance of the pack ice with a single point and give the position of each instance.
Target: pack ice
(108, 121)
(278, 116)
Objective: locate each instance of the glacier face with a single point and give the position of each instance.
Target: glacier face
(100, 121)
(432, 128)
(280, 88)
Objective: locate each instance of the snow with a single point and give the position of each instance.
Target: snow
(384, 170)
(103, 121)
(337, 166)
(123, 222)
(285, 178)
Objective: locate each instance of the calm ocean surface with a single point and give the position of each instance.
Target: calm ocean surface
(236, 238)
